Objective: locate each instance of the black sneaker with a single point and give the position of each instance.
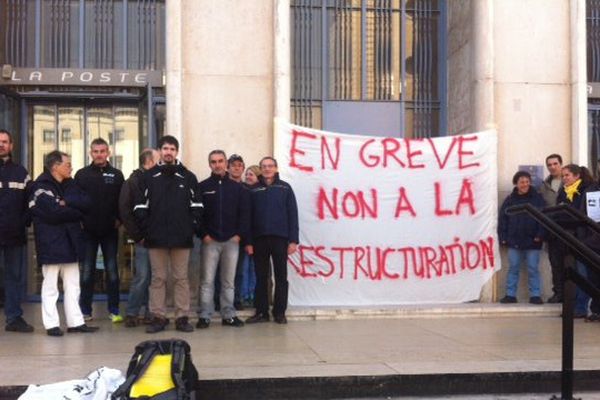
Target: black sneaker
(131, 321)
(256, 318)
(18, 325)
(555, 299)
(183, 325)
(203, 323)
(593, 317)
(56, 331)
(235, 322)
(536, 300)
(158, 324)
(508, 300)
(82, 329)
(280, 319)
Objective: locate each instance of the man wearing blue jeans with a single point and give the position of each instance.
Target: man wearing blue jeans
(138, 289)
(102, 182)
(224, 223)
(14, 181)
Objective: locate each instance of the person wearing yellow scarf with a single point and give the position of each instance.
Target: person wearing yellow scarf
(571, 189)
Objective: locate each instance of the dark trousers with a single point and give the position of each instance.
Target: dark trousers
(275, 248)
(108, 244)
(556, 256)
(15, 278)
(239, 275)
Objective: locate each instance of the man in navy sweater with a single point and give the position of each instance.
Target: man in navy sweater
(224, 223)
(274, 235)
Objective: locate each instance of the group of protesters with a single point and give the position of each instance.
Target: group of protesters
(569, 184)
(246, 220)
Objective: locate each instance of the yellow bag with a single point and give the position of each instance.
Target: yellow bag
(159, 369)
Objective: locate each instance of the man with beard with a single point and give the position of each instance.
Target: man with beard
(168, 210)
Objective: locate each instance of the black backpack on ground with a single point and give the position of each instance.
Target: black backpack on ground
(182, 371)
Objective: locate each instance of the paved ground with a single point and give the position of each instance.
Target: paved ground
(449, 343)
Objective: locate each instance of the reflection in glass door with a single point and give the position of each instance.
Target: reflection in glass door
(62, 127)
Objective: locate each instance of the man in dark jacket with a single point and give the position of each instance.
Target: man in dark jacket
(168, 208)
(556, 250)
(14, 182)
(224, 223)
(523, 236)
(274, 234)
(138, 289)
(58, 205)
(102, 182)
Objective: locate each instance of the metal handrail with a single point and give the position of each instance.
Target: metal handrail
(584, 254)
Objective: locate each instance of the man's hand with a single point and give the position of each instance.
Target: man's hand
(62, 203)
(249, 249)
(292, 248)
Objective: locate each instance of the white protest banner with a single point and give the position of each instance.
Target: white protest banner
(389, 221)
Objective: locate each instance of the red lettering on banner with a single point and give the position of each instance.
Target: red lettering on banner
(410, 154)
(438, 201)
(442, 164)
(334, 159)
(405, 251)
(472, 248)
(404, 204)
(294, 150)
(462, 142)
(487, 248)
(466, 197)
(323, 201)
(390, 148)
(369, 161)
(353, 205)
(381, 263)
(359, 255)
(378, 263)
(341, 250)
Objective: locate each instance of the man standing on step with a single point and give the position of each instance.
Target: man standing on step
(168, 209)
(556, 250)
(102, 182)
(138, 289)
(224, 223)
(14, 182)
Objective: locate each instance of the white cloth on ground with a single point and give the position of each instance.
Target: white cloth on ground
(98, 385)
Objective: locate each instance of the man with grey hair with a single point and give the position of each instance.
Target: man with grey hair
(138, 289)
(57, 206)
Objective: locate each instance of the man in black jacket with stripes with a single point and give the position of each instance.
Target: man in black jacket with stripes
(102, 182)
(168, 209)
(14, 182)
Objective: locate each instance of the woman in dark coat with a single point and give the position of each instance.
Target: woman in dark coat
(577, 181)
(523, 236)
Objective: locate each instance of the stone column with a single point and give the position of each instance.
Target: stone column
(579, 141)
(281, 61)
(482, 92)
(174, 70)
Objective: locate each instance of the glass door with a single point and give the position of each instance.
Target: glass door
(71, 128)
